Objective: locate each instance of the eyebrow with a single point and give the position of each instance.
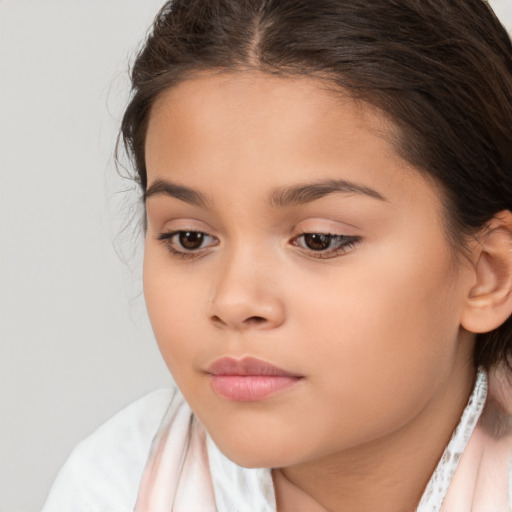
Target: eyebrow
(167, 188)
(301, 194)
(281, 198)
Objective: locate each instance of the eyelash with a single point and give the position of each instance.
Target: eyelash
(345, 244)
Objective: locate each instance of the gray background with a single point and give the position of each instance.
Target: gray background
(75, 342)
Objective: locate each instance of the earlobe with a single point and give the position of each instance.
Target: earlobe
(489, 301)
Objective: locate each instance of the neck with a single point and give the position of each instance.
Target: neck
(388, 474)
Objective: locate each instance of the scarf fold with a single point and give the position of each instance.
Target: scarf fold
(186, 472)
(481, 482)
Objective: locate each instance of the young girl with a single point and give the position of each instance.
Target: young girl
(328, 262)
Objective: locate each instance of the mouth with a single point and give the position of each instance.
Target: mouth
(249, 379)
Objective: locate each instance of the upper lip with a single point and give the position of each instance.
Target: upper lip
(246, 366)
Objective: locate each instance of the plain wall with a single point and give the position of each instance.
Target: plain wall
(76, 345)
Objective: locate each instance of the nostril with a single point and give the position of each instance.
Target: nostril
(247, 322)
(217, 320)
(255, 320)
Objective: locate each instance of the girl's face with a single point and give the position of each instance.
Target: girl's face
(284, 227)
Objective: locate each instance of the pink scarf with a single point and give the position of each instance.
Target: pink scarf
(481, 482)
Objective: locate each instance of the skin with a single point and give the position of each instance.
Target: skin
(373, 328)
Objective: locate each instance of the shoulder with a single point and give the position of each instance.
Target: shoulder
(103, 472)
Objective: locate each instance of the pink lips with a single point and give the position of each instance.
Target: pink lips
(248, 379)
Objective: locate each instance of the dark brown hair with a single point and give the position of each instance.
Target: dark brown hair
(441, 70)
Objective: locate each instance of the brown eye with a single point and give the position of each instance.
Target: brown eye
(325, 245)
(187, 244)
(191, 239)
(317, 241)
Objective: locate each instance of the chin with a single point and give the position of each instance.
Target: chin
(253, 453)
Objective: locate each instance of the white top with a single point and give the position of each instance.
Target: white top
(104, 472)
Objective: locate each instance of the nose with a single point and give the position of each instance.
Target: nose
(246, 296)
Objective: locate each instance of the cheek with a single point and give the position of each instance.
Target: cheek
(174, 304)
(385, 298)
(386, 327)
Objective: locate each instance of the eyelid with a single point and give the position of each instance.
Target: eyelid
(326, 226)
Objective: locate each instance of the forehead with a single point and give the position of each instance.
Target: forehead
(240, 89)
(253, 132)
(217, 109)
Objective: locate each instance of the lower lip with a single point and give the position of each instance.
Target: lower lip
(250, 388)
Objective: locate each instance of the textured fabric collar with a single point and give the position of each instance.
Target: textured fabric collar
(437, 487)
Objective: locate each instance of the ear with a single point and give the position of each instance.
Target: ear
(489, 301)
